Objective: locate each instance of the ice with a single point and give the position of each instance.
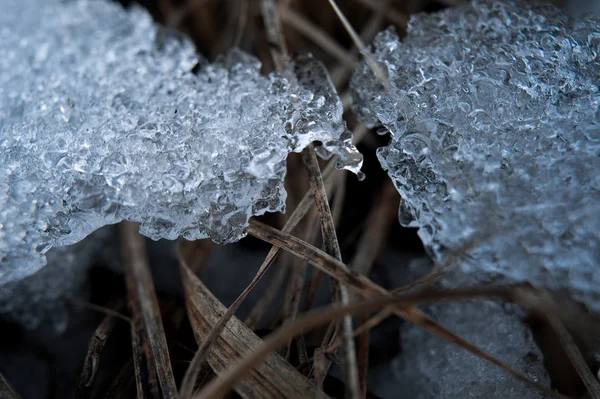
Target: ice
(495, 116)
(102, 119)
(430, 367)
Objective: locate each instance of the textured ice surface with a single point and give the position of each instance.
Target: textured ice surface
(101, 119)
(430, 367)
(495, 112)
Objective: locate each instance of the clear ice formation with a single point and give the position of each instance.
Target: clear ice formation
(102, 119)
(430, 367)
(495, 116)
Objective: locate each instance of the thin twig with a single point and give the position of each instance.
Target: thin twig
(340, 73)
(141, 289)
(260, 307)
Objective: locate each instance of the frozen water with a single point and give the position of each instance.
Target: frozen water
(495, 116)
(102, 119)
(430, 367)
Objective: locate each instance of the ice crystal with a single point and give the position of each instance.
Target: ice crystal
(102, 119)
(495, 116)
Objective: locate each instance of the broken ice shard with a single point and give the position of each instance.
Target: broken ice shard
(495, 116)
(102, 119)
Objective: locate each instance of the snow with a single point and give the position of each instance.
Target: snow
(495, 116)
(430, 367)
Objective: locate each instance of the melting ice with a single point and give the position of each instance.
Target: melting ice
(101, 119)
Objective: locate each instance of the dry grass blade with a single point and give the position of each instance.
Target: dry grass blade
(200, 355)
(183, 252)
(318, 36)
(362, 357)
(332, 247)
(260, 307)
(92, 358)
(375, 67)
(143, 361)
(319, 318)
(379, 221)
(390, 13)
(6, 390)
(293, 292)
(301, 210)
(141, 293)
(277, 45)
(275, 378)
(365, 287)
(575, 356)
(366, 325)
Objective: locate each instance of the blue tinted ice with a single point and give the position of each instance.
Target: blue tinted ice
(101, 119)
(495, 116)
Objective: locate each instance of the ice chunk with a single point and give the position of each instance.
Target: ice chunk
(430, 367)
(101, 119)
(495, 115)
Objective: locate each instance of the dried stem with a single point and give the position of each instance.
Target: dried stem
(200, 356)
(143, 300)
(318, 36)
(574, 355)
(277, 46)
(332, 247)
(319, 318)
(365, 288)
(6, 390)
(95, 347)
